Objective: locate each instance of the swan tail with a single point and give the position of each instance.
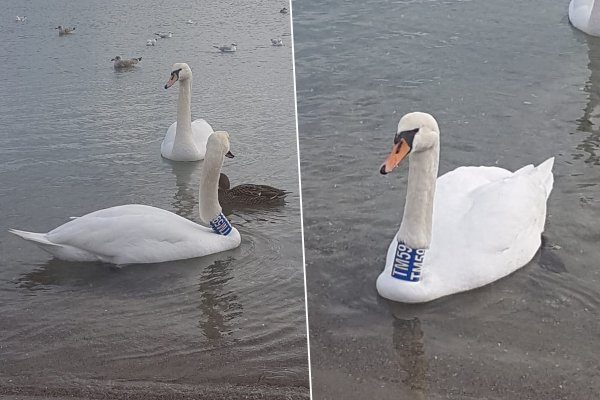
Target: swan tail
(39, 238)
(544, 171)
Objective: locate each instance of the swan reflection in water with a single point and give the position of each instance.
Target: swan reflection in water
(409, 345)
(590, 120)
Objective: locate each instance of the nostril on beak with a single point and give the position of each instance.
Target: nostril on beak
(382, 170)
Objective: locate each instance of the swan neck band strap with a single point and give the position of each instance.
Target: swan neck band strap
(220, 225)
(408, 263)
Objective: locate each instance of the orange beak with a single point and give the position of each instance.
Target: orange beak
(398, 153)
(174, 77)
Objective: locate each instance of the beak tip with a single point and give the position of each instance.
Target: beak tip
(382, 170)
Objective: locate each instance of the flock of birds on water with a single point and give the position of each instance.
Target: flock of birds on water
(136, 233)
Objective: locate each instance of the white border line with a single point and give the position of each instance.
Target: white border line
(301, 209)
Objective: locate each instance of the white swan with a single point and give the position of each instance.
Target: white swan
(185, 140)
(585, 16)
(483, 223)
(135, 233)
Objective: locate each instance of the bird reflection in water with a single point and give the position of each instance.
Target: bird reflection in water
(218, 303)
(408, 342)
(590, 121)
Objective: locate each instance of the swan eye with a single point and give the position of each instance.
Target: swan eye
(176, 72)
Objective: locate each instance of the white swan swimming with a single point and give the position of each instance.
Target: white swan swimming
(585, 16)
(185, 140)
(465, 229)
(137, 234)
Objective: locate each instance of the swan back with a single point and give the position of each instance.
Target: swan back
(585, 16)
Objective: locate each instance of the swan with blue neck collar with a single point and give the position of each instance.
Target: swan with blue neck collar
(463, 230)
(138, 234)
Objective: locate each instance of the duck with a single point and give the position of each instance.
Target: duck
(151, 42)
(185, 140)
(463, 230)
(585, 16)
(64, 30)
(276, 42)
(227, 49)
(249, 194)
(284, 10)
(142, 234)
(164, 35)
(119, 63)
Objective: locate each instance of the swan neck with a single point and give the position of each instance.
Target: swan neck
(209, 206)
(417, 222)
(184, 109)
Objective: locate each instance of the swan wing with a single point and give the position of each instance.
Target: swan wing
(488, 229)
(137, 234)
(201, 130)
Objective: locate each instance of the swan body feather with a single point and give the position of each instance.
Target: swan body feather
(585, 16)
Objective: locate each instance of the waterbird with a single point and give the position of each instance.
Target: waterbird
(249, 194)
(139, 234)
(185, 140)
(463, 230)
(119, 63)
(227, 49)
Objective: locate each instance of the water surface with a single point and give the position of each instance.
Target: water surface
(509, 85)
(78, 136)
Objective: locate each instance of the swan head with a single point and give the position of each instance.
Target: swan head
(179, 72)
(218, 144)
(417, 132)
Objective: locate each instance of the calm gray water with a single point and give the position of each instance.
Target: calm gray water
(76, 136)
(510, 84)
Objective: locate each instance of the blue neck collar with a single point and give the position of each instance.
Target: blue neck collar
(221, 225)
(407, 263)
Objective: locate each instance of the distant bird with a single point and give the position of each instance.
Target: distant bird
(284, 10)
(64, 30)
(151, 42)
(20, 19)
(164, 35)
(121, 64)
(189, 22)
(276, 42)
(227, 49)
(249, 194)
